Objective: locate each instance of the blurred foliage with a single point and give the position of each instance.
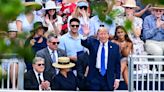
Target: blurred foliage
(9, 10)
(152, 2)
(99, 7)
(103, 8)
(128, 25)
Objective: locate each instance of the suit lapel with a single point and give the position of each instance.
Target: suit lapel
(97, 46)
(35, 78)
(109, 52)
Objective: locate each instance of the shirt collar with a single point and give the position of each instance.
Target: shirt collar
(50, 51)
(105, 44)
(69, 35)
(36, 73)
(154, 18)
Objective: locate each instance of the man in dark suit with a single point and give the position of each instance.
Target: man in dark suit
(37, 78)
(104, 61)
(51, 53)
(82, 70)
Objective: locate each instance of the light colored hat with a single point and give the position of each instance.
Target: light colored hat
(12, 27)
(34, 5)
(130, 3)
(158, 6)
(51, 5)
(82, 3)
(63, 62)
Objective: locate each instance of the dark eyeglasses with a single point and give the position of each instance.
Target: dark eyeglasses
(158, 10)
(51, 9)
(128, 8)
(74, 25)
(85, 7)
(54, 43)
(101, 25)
(40, 64)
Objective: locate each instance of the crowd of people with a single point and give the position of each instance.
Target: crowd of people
(75, 50)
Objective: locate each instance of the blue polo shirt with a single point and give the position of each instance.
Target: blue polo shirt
(71, 45)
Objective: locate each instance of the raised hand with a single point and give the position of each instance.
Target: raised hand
(86, 30)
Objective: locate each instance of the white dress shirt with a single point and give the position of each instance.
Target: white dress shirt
(98, 60)
(41, 75)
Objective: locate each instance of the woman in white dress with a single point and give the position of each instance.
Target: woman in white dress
(51, 19)
(25, 21)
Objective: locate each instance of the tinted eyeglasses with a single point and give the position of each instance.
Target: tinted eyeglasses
(54, 43)
(158, 10)
(51, 9)
(128, 8)
(74, 25)
(85, 7)
(40, 64)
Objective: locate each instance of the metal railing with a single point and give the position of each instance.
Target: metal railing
(7, 61)
(146, 73)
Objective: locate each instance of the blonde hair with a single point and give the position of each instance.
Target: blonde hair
(102, 29)
(76, 12)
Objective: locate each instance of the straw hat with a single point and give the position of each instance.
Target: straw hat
(63, 62)
(51, 5)
(158, 6)
(33, 5)
(130, 3)
(38, 25)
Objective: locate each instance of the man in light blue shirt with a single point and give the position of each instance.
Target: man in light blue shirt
(71, 41)
(153, 31)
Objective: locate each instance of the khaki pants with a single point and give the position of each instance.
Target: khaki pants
(155, 48)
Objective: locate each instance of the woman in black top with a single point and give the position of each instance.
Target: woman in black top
(65, 79)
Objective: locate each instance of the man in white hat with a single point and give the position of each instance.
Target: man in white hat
(153, 31)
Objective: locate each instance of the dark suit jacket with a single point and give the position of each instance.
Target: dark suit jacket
(31, 83)
(65, 83)
(44, 53)
(113, 65)
(82, 63)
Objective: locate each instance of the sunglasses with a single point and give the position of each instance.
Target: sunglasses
(158, 10)
(85, 7)
(54, 43)
(128, 8)
(101, 25)
(74, 25)
(51, 9)
(40, 64)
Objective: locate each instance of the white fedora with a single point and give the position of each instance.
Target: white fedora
(63, 62)
(12, 27)
(51, 5)
(130, 3)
